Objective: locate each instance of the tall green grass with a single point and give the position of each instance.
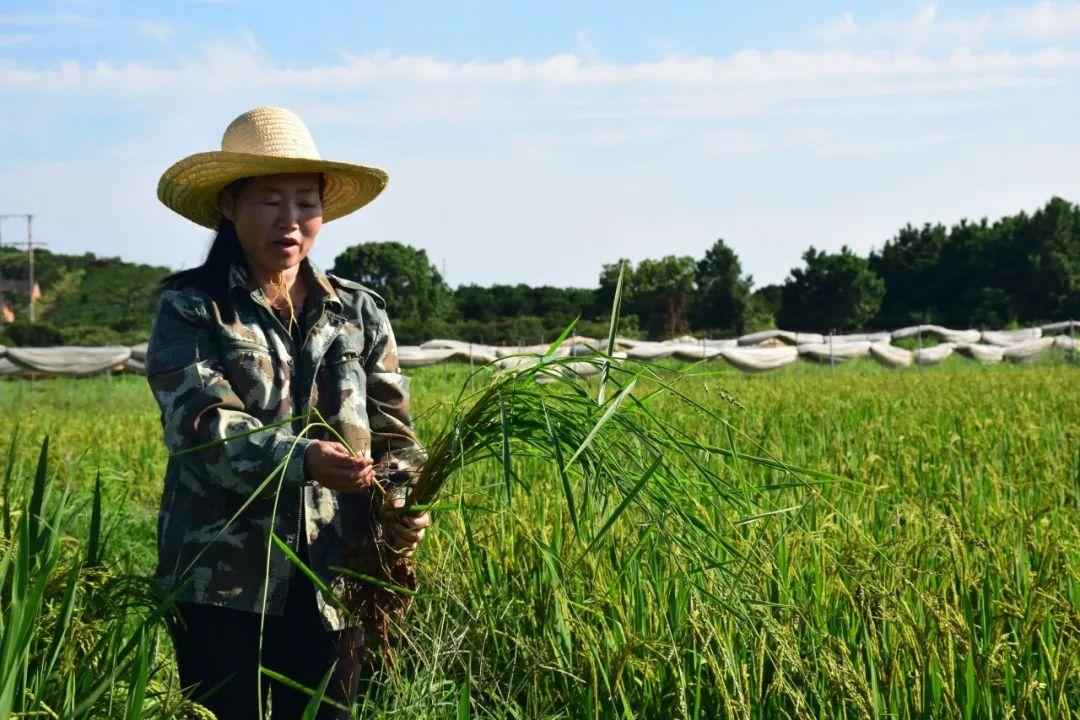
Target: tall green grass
(79, 636)
(940, 580)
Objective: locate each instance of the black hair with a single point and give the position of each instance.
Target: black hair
(212, 276)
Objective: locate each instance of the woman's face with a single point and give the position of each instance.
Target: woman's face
(277, 218)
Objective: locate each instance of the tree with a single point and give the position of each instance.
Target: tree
(770, 298)
(413, 288)
(835, 291)
(666, 287)
(657, 293)
(475, 302)
(1050, 286)
(722, 300)
(909, 264)
(1020, 269)
(764, 307)
(978, 270)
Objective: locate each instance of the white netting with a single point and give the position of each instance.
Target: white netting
(1028, 351)
(69, 360)
(132, 365)
(650, 351)
(1004, 338)
(1064, 327)
(943, 334)
(759, 351)
(9, 368)
(874, 337)
(933, 355)
(1068, 344)
(982, 353)
(504, 350)
(891, 356)
(410, 356)
(754, 359)
(836, 352)
(695, 351)
(785, 336)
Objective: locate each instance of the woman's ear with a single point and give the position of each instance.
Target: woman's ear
(227, 205)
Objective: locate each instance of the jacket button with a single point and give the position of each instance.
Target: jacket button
(290, 361)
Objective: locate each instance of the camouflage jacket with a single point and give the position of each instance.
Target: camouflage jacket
(215, 378)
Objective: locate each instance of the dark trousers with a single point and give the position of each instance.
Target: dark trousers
(217, 649)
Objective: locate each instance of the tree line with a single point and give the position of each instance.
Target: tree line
(1018, 270)
(1021, 269)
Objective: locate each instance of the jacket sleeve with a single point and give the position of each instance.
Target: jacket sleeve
(393, 440)
(198, 405)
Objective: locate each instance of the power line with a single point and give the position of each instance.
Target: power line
(29, 245)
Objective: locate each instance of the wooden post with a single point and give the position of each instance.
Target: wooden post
(918, 364)
(1072, 343)
(832, 364)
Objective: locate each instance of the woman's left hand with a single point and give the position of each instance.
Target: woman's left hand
(404, 530)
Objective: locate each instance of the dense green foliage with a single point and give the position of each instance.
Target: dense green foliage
(85, 299)
(835, 291)
(941, 580)
(723, 304)
(521, 313)
(658, 293)
(1020, 269)
(411, 285)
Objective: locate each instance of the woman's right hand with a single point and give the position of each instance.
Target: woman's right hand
(331, 465)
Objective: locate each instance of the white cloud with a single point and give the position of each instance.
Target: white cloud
(9, 39)
(39, 19)
(506, 168)
(1046, 20)
(586, 45)
(156, 29)
(224, 67)
(838, 30)
(924, 29)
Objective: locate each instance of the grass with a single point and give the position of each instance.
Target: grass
(942, 579)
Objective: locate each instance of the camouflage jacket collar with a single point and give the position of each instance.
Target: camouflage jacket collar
(320, 291)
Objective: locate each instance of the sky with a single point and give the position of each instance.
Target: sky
(534, 142)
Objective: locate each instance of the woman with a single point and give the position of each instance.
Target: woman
(253, 345)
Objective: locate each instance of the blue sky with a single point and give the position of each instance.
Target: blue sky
(532, 142)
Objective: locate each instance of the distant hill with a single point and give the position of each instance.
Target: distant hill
(85, 299)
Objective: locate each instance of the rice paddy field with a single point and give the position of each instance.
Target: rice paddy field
(930, 569)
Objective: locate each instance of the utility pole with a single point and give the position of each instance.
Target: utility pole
(30, 261)
(2, 303)
(29, 243)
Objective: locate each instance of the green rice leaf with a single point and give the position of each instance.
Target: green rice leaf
(629, 498)
(612, 408)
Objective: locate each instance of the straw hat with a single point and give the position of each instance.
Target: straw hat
(264, 141)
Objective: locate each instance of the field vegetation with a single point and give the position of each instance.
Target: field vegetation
(929, 567)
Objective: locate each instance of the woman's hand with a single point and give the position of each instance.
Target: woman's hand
(331, 465)
(404, 530)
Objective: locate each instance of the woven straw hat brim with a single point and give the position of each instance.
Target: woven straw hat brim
(191, 186)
